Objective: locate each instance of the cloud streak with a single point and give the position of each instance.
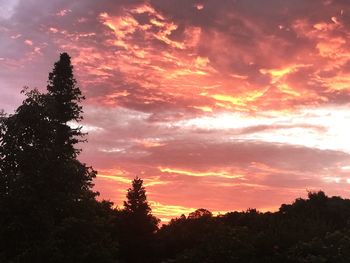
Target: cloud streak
(218, 105)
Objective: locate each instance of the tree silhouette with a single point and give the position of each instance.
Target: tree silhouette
(138, 225)
(62, 87)
(136, 202)
(201, 212)
(44, 188)
(26, 201)
(63, 105)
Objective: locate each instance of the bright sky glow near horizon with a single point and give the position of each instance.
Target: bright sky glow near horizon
(224, 105)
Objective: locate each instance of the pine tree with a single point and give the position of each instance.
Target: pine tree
(37, 145)
(137, 207)
(138, 225)
(48, 209)
(62, 86)
(136, 198)
(63, 105)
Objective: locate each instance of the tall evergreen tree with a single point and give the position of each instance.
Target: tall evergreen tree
(138, 225)
(137, 208)
(45, 191)
(62, 86)
(63, 104)
(136, 198)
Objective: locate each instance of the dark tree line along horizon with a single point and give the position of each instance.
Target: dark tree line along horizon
(49, 211)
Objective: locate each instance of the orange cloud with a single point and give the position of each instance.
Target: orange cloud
(223, 174)
(237, 100)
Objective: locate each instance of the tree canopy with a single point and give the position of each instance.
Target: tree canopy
(44, 188)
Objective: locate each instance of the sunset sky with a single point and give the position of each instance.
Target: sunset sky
(224, 105)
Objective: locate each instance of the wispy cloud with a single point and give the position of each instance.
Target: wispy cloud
(235, 99)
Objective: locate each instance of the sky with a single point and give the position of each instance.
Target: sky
(224, 105)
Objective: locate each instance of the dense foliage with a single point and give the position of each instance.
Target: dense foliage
(309, 230)
(49, 212)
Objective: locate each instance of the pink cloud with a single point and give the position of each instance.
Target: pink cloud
(223, 105)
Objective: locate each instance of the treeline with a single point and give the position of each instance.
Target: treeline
(316, 229)
(50, 213)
